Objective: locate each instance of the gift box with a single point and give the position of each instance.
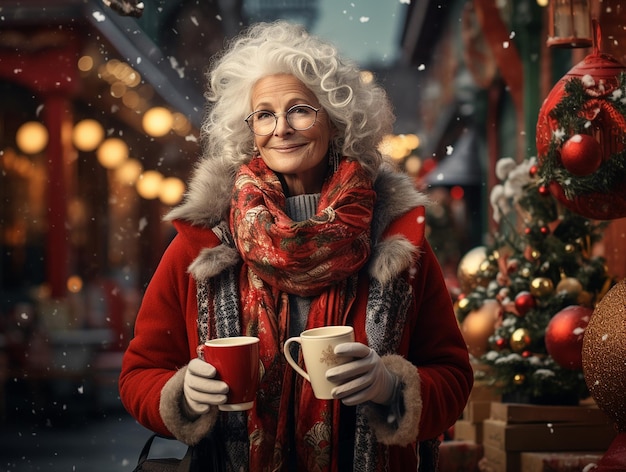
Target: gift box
(523, 438)
(557, 461)
(467, 431)
(547, 436)
(477, 411)
(524, 413)
(498, 460)
(459, 456)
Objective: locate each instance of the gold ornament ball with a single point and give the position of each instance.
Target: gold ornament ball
(469, 268)
(463, 303)
(541, 287)
(478, 325)
(519, 379)
(520, 339)
(604, 352)
(569, 285)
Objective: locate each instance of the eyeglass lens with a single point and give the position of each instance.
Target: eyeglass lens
(299, 117)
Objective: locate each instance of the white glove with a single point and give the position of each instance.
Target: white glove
(200, 389)
(363, 379)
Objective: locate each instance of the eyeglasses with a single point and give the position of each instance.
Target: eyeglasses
(299, 117)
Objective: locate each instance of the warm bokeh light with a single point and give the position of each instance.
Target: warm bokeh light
(411, 141)
(149, 184)
(118, 89)
(85, 63)
(131, 99)
(171, 192)
(87, 135)
(399, 146)
(181, 124)
(413, 165)
(112, 153)
(74, 284)
(129, 172)
(157, 121)
(32, 137)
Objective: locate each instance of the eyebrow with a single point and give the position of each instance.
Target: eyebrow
(291, 103)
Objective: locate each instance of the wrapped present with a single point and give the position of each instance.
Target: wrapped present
(459, 456)
(558, 461)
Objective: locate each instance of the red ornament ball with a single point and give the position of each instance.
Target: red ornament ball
(524, 302)
(600, 76)
(564, 336)
(581, 155)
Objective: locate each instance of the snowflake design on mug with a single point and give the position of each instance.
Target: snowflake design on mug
(328, 356)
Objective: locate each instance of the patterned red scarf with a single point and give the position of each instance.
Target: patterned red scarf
(318, 258)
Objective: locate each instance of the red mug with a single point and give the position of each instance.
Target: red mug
(236, 360)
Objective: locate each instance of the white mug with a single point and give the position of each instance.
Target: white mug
(318, 345)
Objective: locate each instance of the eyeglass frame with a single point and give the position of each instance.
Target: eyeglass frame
(286, 115)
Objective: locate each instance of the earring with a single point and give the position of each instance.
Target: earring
(334, 157)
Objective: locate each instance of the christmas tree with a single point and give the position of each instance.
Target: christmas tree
(528, 300)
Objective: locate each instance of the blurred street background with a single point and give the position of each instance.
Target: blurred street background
(72, 425)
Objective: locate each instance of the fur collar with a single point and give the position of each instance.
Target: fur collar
(207, 203)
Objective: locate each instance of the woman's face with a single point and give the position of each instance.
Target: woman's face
(300, 156)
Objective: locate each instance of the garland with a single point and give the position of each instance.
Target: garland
(566, 113)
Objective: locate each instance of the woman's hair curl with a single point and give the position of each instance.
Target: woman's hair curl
(358, 108)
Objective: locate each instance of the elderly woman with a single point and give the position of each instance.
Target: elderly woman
(294, 221)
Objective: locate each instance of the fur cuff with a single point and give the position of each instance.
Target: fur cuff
(405, 430)
(185, 430)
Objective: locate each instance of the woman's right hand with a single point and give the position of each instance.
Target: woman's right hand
(200, 388)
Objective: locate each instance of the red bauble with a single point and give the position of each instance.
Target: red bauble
(581, 154)
(524, 302)
(606, 125)
(564, 336)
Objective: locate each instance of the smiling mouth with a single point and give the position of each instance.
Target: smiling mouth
(288, 148)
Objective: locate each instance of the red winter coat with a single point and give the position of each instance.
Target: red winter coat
(432, 363)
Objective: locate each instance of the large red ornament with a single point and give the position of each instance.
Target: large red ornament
(564, 336)
(581, 154)
(602, 128)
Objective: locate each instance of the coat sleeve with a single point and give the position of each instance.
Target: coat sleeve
(433, 365)
(164, 340)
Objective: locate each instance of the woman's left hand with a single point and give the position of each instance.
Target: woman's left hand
(363, 379)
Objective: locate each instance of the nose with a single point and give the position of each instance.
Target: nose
(282, 125)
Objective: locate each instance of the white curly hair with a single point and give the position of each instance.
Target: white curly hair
(360, 110)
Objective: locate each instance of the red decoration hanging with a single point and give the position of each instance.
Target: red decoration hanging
(564, 336)
(581, 154)
(581, 137)
(524, 302)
